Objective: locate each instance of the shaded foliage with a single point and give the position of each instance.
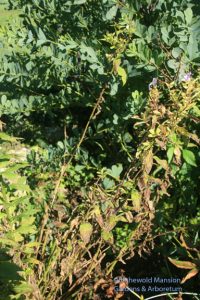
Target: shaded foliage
(106, 97)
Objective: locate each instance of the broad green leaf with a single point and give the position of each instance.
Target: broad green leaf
(6, 137)
(122, 73)
(4, 256)
(8, 242)
(188, 15)
(165, 34)
(15, 236)
(176, 52)
(4, 164)
(32, 244)
(9, 271)
(189, 157)
(112, 12)
(41, 35)
(23, 288)
(116, 170)
(172, 64)
(3, 99)
(26, 229)
(2, 215)
(170, 153)
(27, 221)
(79, 1)
(108, 183)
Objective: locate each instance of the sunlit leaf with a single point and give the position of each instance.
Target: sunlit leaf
(122, 73)
(107, 236)
(86, 230)
(189, 157)
(148, 161)
(136, 199)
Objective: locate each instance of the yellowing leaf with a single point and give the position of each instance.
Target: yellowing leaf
(116, 64)
(6, 137)
(15, 236)
(129, 216)
(162, 162)
(27, 221)
(136, 199)
(33, 261)
(182, 264)
(25, 229)
(69, 246)
(122, 73)
(107, 236)
(148, 161)
(112, 221)
(98, 216)
(8, 242)
(86, 232)
(190, 274)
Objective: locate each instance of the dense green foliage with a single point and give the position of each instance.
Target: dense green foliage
(105, 95)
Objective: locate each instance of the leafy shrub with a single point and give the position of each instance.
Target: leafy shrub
(107, 95)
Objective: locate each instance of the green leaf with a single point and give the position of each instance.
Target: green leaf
(112, 12)
(9, 271)
(41, 38)
(8, 242)
(4, 256)
(15, 236)
(116, 170)
(188, 15)
(122, 73)
(189, 157)
(176, 52)
(26, 229)
(170, 153)
(60, 145)
(172, 64)
(79, 1)
(6, 137)
(3, 99)
(108, 183)
(32, 244)
(27, 221)
(23, 288)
